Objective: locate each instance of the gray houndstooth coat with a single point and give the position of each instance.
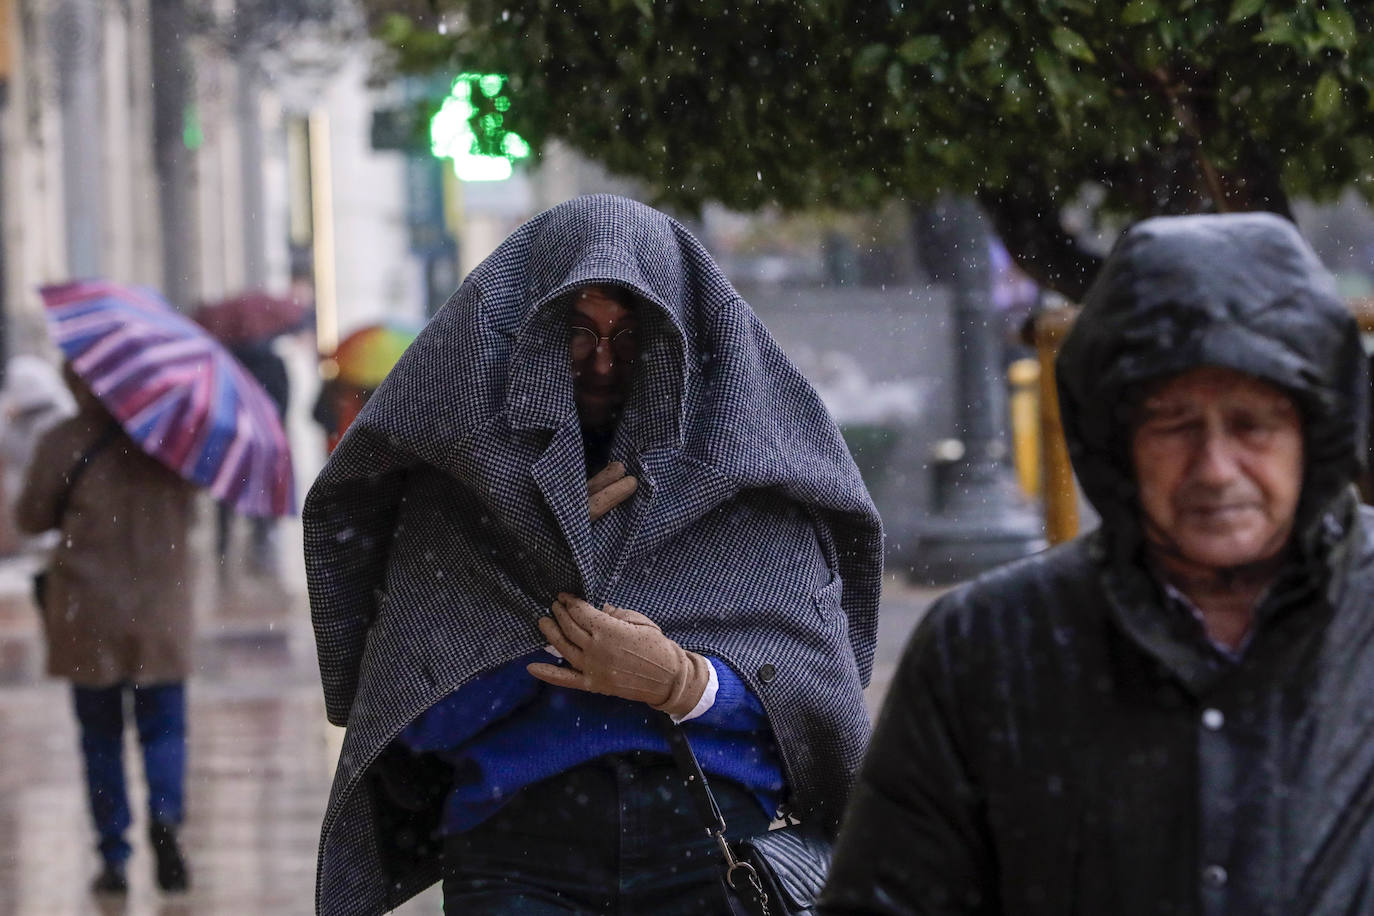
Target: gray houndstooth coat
(455, 509)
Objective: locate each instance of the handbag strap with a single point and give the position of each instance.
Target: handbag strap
(105, 438)
(709, 810)
(707, 807)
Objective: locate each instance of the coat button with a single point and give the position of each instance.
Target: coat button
(767, 673)
(1213, 719)
(1214, 876)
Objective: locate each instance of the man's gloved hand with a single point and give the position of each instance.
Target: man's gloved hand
(608, 489)
(621, 653)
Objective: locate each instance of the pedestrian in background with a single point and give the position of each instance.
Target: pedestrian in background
(117, 619)
(354, 370)
(595, 447)
(1173, 713)
(249, 325)
(263, 363)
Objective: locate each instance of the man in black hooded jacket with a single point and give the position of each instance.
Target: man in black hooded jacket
(1175, 713)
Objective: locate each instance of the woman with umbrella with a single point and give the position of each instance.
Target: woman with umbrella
(161, 408)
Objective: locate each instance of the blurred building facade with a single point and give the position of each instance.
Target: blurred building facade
(148, 142)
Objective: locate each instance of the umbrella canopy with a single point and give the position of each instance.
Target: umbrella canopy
(251, 317)
(364, 357)
(176, 391)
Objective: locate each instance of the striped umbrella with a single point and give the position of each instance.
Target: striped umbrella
(176, 391)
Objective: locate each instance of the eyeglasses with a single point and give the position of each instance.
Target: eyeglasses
(585, 342)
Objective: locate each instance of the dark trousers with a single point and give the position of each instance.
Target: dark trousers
(160, 714)
(617, 836)
(261, 543)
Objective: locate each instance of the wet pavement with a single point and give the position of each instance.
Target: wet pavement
(260, 760)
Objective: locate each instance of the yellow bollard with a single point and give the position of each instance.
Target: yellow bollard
(1061, 494)
(1024, 377)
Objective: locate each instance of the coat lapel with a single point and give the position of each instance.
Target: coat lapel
(674, 492)
(559, 475)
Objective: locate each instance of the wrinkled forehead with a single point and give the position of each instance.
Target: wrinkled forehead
(1211, 387)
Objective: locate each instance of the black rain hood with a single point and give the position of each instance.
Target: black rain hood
(1235, 291)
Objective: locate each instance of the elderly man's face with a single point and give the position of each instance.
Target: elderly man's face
(1219, 463)
(603, 348)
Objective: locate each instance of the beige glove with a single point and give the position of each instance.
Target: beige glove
(621, 653)
(608, 489)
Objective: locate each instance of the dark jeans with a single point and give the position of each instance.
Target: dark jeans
(160, 713)
(262, 541)
(617, 836)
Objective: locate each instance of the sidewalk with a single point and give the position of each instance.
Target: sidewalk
(19, 661)
(261, 759)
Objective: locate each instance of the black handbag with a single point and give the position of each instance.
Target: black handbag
(40, 578)
(776, 873)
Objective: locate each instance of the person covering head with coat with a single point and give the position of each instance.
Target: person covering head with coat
(1170, 714)
(593, 491)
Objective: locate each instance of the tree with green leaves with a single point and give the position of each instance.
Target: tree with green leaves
(1143, 107)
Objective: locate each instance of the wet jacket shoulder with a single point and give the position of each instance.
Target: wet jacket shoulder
(1034, 757)
(965, 704)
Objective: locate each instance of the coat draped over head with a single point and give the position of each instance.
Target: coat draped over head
(455, 509)
(1061, 736)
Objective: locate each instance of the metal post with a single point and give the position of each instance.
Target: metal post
(77, 48)
(322, 219)
(172, 80)
(250, 174)
(7, 25)
(981, 520)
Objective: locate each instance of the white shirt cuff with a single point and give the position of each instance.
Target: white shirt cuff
(708, 697)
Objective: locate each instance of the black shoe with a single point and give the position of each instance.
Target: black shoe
(171, 867)
(111, 880)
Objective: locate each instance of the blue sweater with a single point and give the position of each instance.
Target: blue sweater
(506, 730)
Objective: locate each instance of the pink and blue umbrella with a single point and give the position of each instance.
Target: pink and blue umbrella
(176, 391)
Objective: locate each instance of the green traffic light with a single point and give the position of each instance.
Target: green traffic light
(486, 153)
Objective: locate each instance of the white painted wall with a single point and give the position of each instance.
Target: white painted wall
(376, 275)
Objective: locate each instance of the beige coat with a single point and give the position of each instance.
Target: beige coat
(119, 605)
